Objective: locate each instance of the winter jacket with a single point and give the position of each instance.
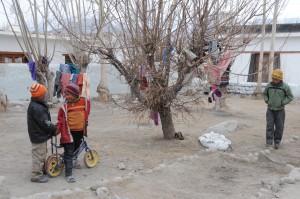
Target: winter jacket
(62, 124)
(277, 96)
(40, 128)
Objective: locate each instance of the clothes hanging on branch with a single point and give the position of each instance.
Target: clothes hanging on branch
(171, 48)
(73, 68)
(215, 72)
(69, 73)
(80, 81)
(143, 84)
(32, 69)
(155, 117)
(65, 80)
(44, 60)
(74, 79)
(215, 94)
(213, 50)
(64, 68)
(143, 75)
(57, 85)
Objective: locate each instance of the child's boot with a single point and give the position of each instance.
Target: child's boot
(70, 179)
(76, 164)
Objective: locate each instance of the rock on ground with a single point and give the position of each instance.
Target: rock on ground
(224, 127)
(3, 102)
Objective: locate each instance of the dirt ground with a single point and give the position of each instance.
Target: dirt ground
(186, 171)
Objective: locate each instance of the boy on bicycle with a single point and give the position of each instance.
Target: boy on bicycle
(72, 124)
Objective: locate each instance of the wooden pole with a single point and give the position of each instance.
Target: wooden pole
(258, 91)
(271, 60)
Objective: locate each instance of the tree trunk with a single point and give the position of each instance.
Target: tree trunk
(50, 82)
(221, 102)
(102, 88)
(83, 66)
(167, 123)
(41, 75)
(45, 77)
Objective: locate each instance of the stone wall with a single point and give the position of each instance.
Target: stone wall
(248, 88)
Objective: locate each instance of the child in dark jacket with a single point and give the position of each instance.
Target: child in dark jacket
(40, 129)
(72, 124)
(277, 94)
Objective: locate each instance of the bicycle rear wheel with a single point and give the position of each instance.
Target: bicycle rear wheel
(54, 166)
(91, 159)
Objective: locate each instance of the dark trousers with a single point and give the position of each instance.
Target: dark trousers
(68, 157)
(77, 138)
(275, 119)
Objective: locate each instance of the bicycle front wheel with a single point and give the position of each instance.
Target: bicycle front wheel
(91, 159)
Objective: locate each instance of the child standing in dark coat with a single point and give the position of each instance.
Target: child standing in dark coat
(40, 129)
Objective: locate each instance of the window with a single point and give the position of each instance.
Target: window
(254, 64)
(12, 57)
(68, 58)
(8, 59)
(18, 59)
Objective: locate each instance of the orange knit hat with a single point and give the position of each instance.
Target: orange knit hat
(38, 91)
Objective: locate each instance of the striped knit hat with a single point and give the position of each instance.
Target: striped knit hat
(277, 74)
(38, 91)
(73, 89)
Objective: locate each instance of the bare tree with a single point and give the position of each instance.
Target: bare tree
(74, 16)
(80, 27)
(159, 46)
(34, 41)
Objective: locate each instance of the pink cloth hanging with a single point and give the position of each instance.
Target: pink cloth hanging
(155, 117)
(65, 80)
(221, 67)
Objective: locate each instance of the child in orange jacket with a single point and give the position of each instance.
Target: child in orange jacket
(72, 124)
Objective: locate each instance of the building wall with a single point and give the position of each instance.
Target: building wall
(10, 44)
(288, 45)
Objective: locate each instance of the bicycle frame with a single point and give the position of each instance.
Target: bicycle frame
(83, 146)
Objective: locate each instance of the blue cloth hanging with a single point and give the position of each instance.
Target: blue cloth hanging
(74, 78)
(64, 68)
(74, 68)
(32, 69)
(171, 48)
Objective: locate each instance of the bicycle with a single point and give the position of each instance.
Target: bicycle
(54, 164)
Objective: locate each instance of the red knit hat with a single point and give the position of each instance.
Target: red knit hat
(73, 89)
(38, 91)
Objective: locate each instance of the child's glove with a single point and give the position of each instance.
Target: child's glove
(56, 132)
